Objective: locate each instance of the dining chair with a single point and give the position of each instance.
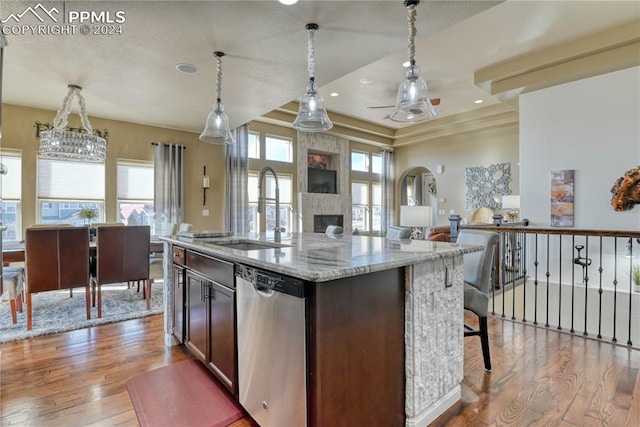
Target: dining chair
(12, 289)
(185, 227)
(122, 255)
(398, 233)
(333, 229)
(56, 257)
(478, 277)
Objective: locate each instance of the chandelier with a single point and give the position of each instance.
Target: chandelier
(71, 145)
(216, 130)
(312, 116)
(413, 103)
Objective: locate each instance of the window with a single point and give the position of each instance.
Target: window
(366, 191)
(254, 145)
(360, 206)
(376, 204)
(11, 191)
(376, 163)
(359, 161)
(278, 149)
(286, 202)
(135, 192)
(66, 187)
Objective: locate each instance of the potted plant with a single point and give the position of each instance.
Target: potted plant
(87, 214)
(635, 276)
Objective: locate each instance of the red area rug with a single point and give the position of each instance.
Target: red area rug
(182, 394)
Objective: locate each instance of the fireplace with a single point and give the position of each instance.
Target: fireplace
(321, 222)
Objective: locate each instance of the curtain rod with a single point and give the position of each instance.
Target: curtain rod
(165, 144)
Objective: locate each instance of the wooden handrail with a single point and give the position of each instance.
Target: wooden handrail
(551, 230)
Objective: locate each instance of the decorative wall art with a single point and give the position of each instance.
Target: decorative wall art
(317, 161)
(485, 184)
(562, 199)
(626, 191)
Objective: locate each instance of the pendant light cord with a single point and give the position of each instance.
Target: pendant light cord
(311, 54)
(412, 33)
(62, 116)
(219, 78)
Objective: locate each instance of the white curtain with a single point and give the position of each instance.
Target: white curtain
(387, 184)
(168, 192)
(237, 212)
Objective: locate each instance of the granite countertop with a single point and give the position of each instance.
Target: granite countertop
(319, 257)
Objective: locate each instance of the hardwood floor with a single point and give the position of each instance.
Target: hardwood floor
(539, 377)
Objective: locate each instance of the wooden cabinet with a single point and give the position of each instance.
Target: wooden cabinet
(222, 335)
(211, 316)
(197, 318)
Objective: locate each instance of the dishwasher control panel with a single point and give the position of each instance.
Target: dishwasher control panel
(269, 280)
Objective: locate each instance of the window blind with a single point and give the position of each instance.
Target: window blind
(135, 181)
(70, 180)
(11, 182)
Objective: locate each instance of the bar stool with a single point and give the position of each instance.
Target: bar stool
(13, 289)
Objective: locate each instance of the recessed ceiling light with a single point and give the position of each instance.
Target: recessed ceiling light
(406, 64)
(288, 2)
(365, 81)
(334, 94)
(187, 68)
(478, 101)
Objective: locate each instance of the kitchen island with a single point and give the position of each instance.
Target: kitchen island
(383, 320)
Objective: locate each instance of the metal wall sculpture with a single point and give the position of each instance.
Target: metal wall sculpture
(626, 191)
(486, 186)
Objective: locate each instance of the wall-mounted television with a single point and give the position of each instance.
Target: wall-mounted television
(321, 181)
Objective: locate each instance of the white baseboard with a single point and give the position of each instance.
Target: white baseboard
(437, 409)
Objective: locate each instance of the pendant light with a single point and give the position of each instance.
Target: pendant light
(312, 116)
(71, 145)
(412, 104)
(216, 130)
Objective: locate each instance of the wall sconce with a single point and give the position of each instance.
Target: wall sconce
(205, 186)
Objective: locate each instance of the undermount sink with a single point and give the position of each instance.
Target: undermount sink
(248, 245)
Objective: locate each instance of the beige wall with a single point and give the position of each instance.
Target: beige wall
(455, 153)
(125, 141)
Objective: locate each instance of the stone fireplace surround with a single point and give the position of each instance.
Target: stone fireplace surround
(310, 204)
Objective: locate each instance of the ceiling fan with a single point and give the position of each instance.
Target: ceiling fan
(434, 101)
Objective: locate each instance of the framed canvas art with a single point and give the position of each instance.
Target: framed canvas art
(562, 199)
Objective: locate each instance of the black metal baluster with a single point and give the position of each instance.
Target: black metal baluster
(585, 275)
(630, 286)
(504, 280)
(559, 279)
(524, 283)
(600, 269)
(522, 267)
(535, 283)
(573, 282)
(615, 288)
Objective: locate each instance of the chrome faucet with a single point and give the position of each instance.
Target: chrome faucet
(261, 200)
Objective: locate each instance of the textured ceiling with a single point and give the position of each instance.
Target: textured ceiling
(132, 76)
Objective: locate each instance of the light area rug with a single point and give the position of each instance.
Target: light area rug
(55, 311)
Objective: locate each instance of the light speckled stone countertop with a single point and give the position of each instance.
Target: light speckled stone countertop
(318, 257)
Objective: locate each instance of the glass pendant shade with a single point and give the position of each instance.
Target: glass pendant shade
(72, 145)
(412, 103)
(312, 116)
(216, 130)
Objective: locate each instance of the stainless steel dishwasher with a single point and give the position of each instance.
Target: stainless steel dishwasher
(271, 347)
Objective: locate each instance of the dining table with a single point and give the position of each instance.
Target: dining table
(15, 251)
